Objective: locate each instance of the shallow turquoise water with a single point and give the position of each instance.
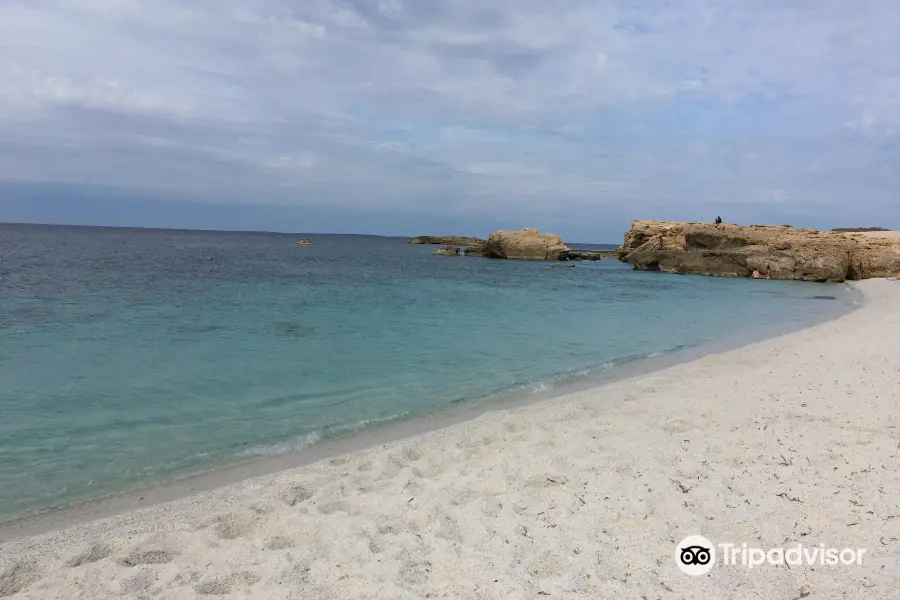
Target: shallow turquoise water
(128, 357)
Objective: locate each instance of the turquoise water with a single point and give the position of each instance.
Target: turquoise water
(128, 357)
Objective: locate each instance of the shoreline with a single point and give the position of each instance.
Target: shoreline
(394, 431)
(791, 439)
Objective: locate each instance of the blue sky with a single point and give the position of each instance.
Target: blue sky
(459, 116)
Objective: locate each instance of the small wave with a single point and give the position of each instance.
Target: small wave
(285, 447)
(311, 439)
(540, 386)
(171, 465)
(550, 383)
(562, 379)
(360, 425)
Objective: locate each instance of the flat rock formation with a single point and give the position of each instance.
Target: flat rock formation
(591, 254)
(447, 251)
(525, 244)
(884, 235)
(476, 250)
(785, 252)
(448, 240)
(858, 229)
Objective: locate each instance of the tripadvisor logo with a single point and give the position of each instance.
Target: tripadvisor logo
(695, 555)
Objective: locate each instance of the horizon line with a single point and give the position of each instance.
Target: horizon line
(264, 231)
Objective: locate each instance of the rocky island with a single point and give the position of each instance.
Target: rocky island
(784, 252)
(525, 244)
(446, 240)
(447, 251)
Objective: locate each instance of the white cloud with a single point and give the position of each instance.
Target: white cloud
(302, 161)
(502, 169)
(405, 104)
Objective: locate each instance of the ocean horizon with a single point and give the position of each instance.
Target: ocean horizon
(297, 234)
(130, 357)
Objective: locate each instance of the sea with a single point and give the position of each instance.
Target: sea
(133, 357)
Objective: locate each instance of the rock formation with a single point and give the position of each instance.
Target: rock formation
(446, 240)
(447, 251)
(526, 244)
(591, 254)
(735, 251)
(858, 229)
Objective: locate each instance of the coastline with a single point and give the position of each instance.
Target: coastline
(582, 495)
(391, 431)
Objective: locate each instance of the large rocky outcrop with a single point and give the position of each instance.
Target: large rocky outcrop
(446, 240)
(735, 251)
(525, 244)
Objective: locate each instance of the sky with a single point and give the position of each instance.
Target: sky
(414, 117)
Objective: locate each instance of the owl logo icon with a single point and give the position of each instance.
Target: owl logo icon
(695, 555)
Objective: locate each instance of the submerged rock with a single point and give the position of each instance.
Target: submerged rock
(525, 244)
(292, 329)
(447, 251)
(784, 252)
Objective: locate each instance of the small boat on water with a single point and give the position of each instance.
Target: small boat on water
(305, 242)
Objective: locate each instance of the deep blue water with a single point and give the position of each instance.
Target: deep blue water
(130, 356)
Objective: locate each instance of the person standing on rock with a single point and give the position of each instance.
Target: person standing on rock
(718, 220)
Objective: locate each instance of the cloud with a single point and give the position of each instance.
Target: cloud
(450, 107)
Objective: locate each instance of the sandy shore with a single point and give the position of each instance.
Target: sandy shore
(794, 439)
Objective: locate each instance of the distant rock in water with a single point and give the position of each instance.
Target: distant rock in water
(591, 254)
(563, 264)
(446, 240)
(525, 244)
(292, 329)
(476, 250)
(784, 252)
(822, 298)
(447, 251)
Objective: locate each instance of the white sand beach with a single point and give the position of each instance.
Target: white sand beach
(794, 439)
